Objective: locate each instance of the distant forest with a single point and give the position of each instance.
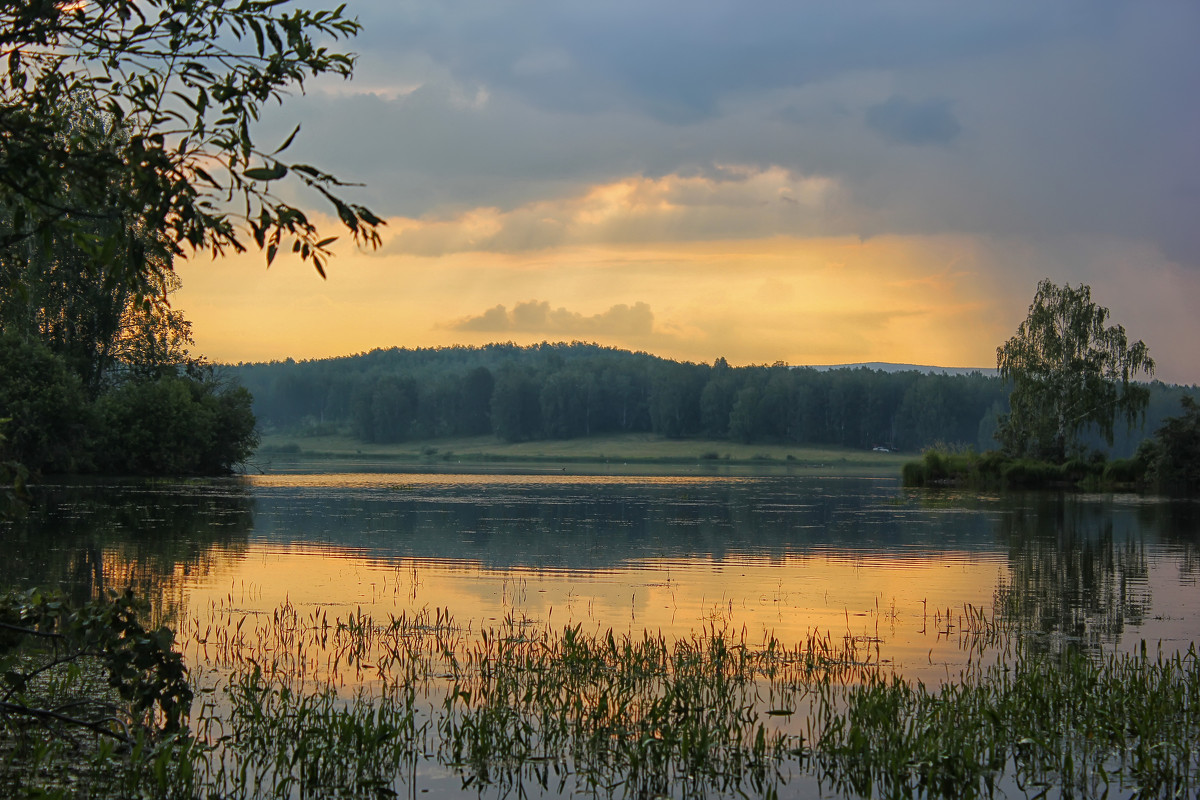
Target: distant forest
(562, 391)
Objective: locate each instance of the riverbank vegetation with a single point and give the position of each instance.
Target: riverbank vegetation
(1167, 463)
(296, 703)
(175, 417)
(573, 392)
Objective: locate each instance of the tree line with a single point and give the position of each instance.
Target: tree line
(563, 391)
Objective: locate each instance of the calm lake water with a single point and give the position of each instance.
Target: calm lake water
(903, 576)
(861, 557)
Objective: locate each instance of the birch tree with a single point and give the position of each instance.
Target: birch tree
(1069, 371)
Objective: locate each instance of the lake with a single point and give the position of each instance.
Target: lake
(903, 575)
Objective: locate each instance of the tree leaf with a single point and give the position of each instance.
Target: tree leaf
(272, 173)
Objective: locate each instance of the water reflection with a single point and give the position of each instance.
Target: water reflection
(1178, 524)
(1087, 569)
(856, 557)
(85, 539)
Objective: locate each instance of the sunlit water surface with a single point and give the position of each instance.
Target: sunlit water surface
(899, 573)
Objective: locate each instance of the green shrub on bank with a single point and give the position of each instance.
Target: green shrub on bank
(1125, 471)
(175, 426)
(993, 470)
(1029, 473)
(49, 416)
(938, 467)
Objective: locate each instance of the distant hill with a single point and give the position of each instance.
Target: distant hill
(884, 366)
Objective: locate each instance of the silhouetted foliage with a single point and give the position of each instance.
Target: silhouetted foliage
(138, 114)
(1172, 457)
(95, 366)
(41, 635)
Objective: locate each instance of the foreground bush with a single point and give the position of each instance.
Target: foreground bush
(92, 703)
(166, 421)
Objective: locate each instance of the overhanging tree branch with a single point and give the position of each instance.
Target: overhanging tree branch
(50, 715)
(179, 85)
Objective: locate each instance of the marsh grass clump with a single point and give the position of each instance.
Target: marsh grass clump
(313, 707)
(278, 741)
(1079, 724)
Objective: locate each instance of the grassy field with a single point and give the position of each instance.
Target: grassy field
(629, 450)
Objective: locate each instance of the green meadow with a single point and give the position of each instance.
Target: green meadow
(614, 451)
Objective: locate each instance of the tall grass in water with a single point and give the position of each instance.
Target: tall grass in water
(295, 705)
(649, 717)
(515, 707)
(523, 708)
(1070, 724)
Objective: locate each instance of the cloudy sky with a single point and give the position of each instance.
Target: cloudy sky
(797, 181)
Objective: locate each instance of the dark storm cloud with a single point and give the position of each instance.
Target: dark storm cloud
(677, 59)
(1065, 119)
(904, 121)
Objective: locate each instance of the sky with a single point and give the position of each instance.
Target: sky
(797, 181)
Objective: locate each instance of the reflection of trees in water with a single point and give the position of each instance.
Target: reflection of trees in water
(1071, 574)
(1178, 523)
(615, 526)
(86, 539)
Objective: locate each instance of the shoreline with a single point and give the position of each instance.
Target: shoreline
(633, 454)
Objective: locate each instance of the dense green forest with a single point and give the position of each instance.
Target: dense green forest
(559, 391)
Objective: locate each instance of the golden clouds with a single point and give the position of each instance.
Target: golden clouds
(686, 266)
(730, 203)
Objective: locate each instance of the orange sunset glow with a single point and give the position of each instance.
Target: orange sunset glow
(917, 300)
(886, 186)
